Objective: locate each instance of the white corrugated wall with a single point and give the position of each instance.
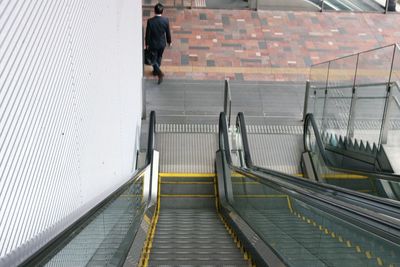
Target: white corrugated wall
(70, 103)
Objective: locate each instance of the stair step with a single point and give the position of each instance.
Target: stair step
(187, 202)
(211, 258)
(191, 242)
(195, 251)
(187, 179)
(196, 263)
(187, 189)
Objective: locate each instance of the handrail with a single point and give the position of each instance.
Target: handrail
(52, 245)
(241, 124)
(377, 222)
(223, 137)
(391, 206)
(354, 54)
(151, 139)
(309, 120)
(361, 85)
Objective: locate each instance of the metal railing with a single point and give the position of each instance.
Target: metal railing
(355, 93)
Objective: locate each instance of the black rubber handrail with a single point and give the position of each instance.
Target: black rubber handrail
(151, 138)
(367, 219)
(309, 120)
(51, 247)
(241, 125)
(390, 207)
(223, 137)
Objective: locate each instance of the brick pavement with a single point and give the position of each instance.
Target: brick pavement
(266, 45)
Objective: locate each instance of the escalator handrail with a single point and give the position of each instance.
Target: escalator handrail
(241, 125)
(309, 120)
(151, 138)
(50, 246)
(378, 221)
(223, 137)
(380, 204)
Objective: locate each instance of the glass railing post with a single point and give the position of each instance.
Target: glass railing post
(324, 122)
(352, 114)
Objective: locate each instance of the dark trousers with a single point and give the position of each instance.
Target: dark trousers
(157, 62)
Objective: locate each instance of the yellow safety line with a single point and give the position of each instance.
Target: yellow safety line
(261, 196)
(216, 194)
(364, 190)
(169, 182)
(147, 219)
(344, 176)
(189, 175)
(189, 195)
(144, 258)
(358, 249)
(289, 202)
(246, 255)
(338, 73)
(245, 183)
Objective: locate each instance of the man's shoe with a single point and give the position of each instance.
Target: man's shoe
(160, 77)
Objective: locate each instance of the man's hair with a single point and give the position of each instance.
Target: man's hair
(158, 9)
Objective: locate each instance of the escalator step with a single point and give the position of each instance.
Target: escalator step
(195, 263)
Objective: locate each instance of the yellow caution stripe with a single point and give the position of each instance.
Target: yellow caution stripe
(182, 195)
(344, 176)
(188, 175)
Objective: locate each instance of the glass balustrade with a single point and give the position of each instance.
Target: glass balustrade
(351, 99)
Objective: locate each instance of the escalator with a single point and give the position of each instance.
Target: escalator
(238, 216)
(334, 168)
(188, 229)
(303, 224)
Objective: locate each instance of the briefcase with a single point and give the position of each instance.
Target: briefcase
(148, 57)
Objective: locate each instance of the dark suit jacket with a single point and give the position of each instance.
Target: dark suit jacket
(157, 32)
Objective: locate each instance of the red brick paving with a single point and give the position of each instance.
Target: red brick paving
(275, 40)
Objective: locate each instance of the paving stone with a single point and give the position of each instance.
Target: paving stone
(185, 60)
(210, 63)
(234, 39)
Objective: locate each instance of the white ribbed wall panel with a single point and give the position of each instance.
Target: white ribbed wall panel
(70, 103)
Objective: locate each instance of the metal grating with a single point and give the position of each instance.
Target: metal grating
(187, 128)
(187, 152)
(70, 106)
(276, 147)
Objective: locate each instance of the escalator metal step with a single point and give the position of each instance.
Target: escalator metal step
(193, 237)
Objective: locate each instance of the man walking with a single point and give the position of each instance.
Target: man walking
(157, 36)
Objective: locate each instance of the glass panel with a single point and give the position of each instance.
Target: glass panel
(372, 76)
(303, 235)
(368, 113)
(100, 241)
(340, 89)
(393, 140)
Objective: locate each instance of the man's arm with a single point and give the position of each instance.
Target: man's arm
(168, 33)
